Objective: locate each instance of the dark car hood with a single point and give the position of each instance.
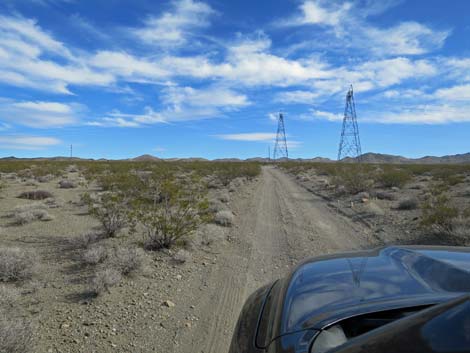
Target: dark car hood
(324, 290)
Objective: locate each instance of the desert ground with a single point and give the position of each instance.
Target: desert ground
(69, 286)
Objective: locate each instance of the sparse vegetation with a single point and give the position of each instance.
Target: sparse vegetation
(103, 280)
(354, 179)
(224, 218)
(16, 265)
(438, 214)
(111, 210)
(28, 213)
(171, 213)
(67, 184)
(408, 204)
(95, 255)
(16, 335)
(127, 260)
(35, 195)
(393, 177)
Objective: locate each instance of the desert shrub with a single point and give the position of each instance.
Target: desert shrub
(44, 178)
(84, 241)
(111, 210)
(103, 280)
(182, 256)
(29, 213)
(461, 228)
(353, 179)
(16, 335)
(67, 184)
(224, 218)
(385, 196)
(394, 177)
(224, 197)
(15, 265)
(95, 255)
(170, 218)
(35, 195)
(127, 260)
(8, 297)
(408, 204)
(437, 212)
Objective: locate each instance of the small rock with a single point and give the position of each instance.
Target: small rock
(169, 304)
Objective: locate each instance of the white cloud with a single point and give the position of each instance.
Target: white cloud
(23, 48)
(172, 28)
(319, 114)
(39, 114)
(347, 26)
(301, 97)
(251, 136)
(424, 114)
(456, 93)
(28, 142)
(128, 67)
(314, 13)
(221, 97)
(407, 38)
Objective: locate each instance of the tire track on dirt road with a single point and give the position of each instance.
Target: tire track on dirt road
(279, 224)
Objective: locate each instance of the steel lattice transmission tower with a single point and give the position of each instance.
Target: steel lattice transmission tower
(280, 147)
(350, 143)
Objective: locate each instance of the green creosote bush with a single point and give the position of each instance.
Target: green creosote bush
(110, 209)
(393, 177)
(437, 212)
(174, 212)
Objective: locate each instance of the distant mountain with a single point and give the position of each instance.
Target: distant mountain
(391, 159)
(146, 158)
(377, 158)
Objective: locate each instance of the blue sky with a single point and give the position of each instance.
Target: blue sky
(206, 78)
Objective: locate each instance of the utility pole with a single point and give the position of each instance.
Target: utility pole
(350, 143)
(71, 151)
(280, 147)
(269, 153)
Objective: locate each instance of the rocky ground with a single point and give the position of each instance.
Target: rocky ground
(188, 300)
(393, 215)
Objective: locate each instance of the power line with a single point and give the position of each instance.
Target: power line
(280, 147)
(350, 143)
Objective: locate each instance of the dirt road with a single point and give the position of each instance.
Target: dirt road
(278, 224)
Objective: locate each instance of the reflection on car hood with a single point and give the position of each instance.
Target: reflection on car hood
(324, 290)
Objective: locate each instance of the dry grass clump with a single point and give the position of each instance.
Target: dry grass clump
(103, 280)
(95, 255)
(16, 265)
(29, 213)
(16, 335)
(8, 297)
(127, 260)
(224, 218)
(408, 204)
(67, 184)
(83, 241)
(182, 256)
(35, 195)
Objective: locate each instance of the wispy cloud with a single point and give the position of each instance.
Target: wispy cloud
(250, 136)
(28, 142)
(174, 27)
(406, 38)
(40, 114)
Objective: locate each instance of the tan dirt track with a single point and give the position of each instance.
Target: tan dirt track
(278, 224)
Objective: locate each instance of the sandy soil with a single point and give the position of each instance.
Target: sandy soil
(277, 224)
